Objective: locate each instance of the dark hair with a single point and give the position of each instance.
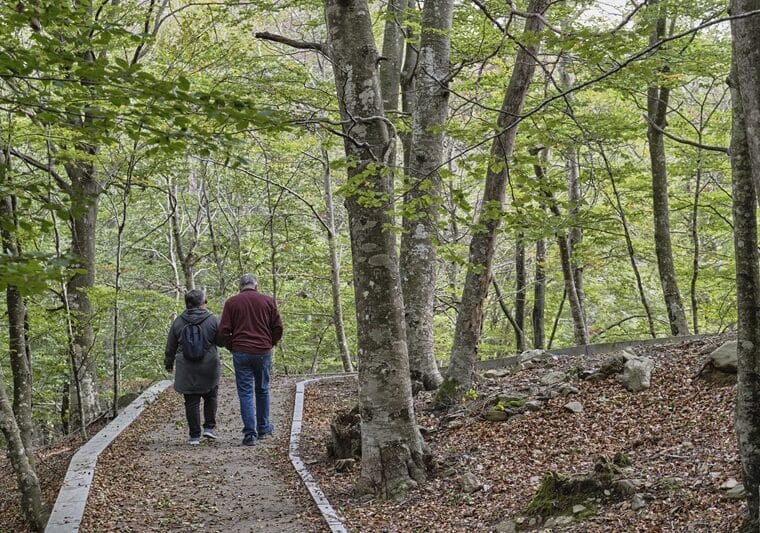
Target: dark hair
(194, 298)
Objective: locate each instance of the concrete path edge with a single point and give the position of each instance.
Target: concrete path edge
(328, 513)
(70, 504)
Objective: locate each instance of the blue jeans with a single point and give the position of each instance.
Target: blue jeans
(253, 370)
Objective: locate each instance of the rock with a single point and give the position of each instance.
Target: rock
(729, 484)
(496, 373)
(563, 520)
(575, 407)
(626, 487)
(724, 357)
(637, 373)
(577, 509)
(506, 526)
(566, 390)
(344, 465)
(586, 373)
(511, 399)
(613, 365)
(534, 355)
(469, 483)
(637, 502)
(553, 378)
(496, 415)
(736, 493)
(533, 405)
(455, 424)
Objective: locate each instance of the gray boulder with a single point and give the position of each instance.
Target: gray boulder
(574, 407)
(637, 373)
(724, 357)
(553, 378)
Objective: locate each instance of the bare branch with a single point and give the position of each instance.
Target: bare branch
(302, 45)
(681, 140)
(29, 160)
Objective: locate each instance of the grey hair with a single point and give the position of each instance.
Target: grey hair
(248, 280)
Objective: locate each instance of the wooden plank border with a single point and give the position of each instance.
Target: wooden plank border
(328, 513)
(70, 504)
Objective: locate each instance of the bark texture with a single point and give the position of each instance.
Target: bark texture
(423, 198)
(393, 452)
(32, 504)
(470, 317)
(745, 163)
(539, 296)
(657, 106)
(520, 288)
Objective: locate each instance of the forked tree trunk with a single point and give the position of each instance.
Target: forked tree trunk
(393, 452)
(470, 317)
(340, 330)
(423, 197)
(657, 106)
(745, 162)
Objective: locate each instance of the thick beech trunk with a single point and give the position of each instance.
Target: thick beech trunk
(470, 317)
(32, 505)
(393, 452)
(657, 106)
(340, 330)
(85, 194)
(745, 162)
(423, 197)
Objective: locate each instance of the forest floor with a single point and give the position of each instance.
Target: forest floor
(678, 435)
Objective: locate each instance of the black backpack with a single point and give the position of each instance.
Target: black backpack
(193, 341)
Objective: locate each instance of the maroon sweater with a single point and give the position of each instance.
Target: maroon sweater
(250, 323)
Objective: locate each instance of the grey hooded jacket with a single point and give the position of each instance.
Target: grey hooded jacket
(193, 377)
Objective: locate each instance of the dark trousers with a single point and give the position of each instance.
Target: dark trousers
(193, 411)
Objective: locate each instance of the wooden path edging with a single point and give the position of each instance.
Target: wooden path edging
(69, 508)
(328, 513)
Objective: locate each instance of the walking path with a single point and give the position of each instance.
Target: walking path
(152, 480)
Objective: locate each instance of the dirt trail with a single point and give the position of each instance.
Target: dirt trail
(152, 480)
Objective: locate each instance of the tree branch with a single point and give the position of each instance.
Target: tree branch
(29, 160)
(681, 140)
(302, 45)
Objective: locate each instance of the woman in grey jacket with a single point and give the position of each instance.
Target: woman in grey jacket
(191, 346)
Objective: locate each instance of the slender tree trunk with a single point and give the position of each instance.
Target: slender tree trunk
(505, 310)
(695, 244)
(745, 162)
(539, 296)
(21, 363)
(186, 258)
(556, 319)
(393, 452)
(580, 332)
(572, 173)
(520, 288)
(340, 331)
(32, 504)
(657, 106)
(408, 92)
(470, 317)
(629, 245)
(423, 197)
(393, 54)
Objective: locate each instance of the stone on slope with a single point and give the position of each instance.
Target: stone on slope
(637, 373)
(724, 357)
(574, 407)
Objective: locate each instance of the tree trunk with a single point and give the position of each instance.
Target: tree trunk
(629, 245)
(580, 332)
(408, 91)
(745, 162)
(393, 54)
(423, 197)
(695, 244)
(85, 196)
(539, 296)
(393, 452)
(657, 106)
(520, 289)
(18, 350)
(186, 258)
(470, 317)
(340, 331)
(32, 505)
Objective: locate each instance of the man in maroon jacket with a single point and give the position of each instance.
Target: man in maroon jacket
(250, 327)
